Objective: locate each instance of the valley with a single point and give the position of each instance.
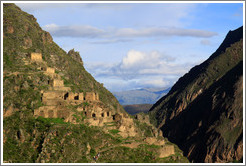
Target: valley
(55, 111)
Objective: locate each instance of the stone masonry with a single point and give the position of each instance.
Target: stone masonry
(166, 151)
(37, 57)
(58, 97)
(56, 83)
(92, 96)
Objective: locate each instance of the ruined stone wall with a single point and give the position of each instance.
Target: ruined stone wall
(90, 96)
(56, 83)
(50, 70)
(166, 150)
(36, 57)
(70, 96)
(142, 118)
(53, 95)
(97, 96)
(81, 96)
(53, 98)
(52, 112)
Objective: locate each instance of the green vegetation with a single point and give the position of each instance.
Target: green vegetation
(51, 120)
(114, 131)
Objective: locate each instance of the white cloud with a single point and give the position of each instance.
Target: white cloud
(111, 41)
(157, 82)
(147, 63)
(140, 61)
(139, 69)
(87, 31)
(73, 31)
(163, 31)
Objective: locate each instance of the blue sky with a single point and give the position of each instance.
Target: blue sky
(138, 45)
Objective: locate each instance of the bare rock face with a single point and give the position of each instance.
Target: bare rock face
(8, 112)
(75, 55)
(27, 42)
(46, 37)
(203, 111)
(10, 29)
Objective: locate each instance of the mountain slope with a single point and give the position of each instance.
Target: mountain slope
(140, 96)
(54, 111)
(205, 106)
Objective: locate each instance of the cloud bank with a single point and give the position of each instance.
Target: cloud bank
(139, 69)
(87, 31)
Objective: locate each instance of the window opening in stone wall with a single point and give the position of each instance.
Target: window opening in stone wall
(107, 113)
(93, 115)
(66, 96)
(18, 134)
(102, 114)
(76, 97)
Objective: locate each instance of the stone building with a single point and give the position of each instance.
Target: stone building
(50, 70)
(56, 83)
(92, 96)
(37, 57)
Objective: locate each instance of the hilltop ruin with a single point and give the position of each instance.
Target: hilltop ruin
(59, 97)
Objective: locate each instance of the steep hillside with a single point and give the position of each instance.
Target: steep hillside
(202, 113)
(54, 111)
(140, 96)
(22, 36)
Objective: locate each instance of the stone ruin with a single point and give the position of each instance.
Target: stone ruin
(166, 151)
(56, 83)
(36, 57)
(58, 97)
(92, 96)
(144, 118)
(48, 70)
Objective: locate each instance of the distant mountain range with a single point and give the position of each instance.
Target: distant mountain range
(140, 96)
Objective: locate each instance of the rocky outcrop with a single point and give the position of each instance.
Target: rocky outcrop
(75, 55)
(202, 113)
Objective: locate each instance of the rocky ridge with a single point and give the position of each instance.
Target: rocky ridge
(202, 113)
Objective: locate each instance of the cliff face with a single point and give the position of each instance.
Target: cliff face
(203, 111)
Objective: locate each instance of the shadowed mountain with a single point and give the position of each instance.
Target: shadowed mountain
(202, 113)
